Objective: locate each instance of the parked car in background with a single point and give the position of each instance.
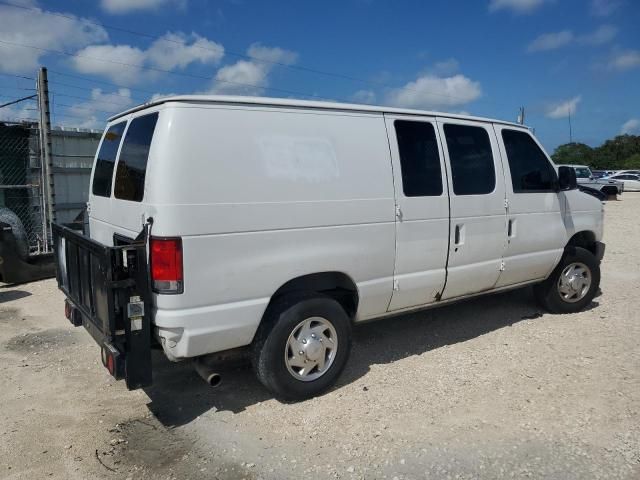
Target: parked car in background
(624, 172)
(602, 173)
(586, 179)
(631, 182)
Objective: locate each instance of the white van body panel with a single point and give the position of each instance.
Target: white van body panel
(264, 191)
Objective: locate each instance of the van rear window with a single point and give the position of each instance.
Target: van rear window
(132, 164)
(103, 173)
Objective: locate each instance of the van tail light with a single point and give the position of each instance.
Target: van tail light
(166, 265)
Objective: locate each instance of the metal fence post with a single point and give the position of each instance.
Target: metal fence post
(46, 158)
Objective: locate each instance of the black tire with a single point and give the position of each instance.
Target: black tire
(22, 245)
(547, 292)
(268, 348)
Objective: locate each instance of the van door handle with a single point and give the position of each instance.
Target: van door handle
(458, 235)
(511, 231)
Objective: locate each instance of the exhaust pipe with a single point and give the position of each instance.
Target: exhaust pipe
(208, 375)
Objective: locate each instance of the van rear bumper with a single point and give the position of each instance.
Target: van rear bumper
(191, 332)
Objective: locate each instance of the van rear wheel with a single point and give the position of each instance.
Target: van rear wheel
(302, 346)
(572, 284)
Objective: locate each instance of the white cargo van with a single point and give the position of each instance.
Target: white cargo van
(267, 227)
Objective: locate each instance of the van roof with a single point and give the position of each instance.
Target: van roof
(287, 102)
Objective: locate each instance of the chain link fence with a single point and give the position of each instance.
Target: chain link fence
(21, 180)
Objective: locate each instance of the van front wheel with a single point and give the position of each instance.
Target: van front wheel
(572, 284)
(301, 346)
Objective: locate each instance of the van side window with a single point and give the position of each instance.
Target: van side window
(472, 169)
(103, 173)
(132, 164)
(530, 169)
(419, 159)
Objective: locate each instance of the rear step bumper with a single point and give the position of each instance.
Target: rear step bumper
(108, 292)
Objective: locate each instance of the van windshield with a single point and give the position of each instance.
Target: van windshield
(132, 164)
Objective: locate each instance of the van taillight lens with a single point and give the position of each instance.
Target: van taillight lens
(166, 265)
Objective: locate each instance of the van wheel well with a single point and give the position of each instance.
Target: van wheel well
(336, 285)
(585, 239)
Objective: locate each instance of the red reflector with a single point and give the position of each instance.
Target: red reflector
(110, 365)
(166, 264)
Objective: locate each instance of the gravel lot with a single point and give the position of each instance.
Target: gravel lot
(490, 388)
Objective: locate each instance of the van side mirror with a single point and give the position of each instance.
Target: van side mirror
(567, 178)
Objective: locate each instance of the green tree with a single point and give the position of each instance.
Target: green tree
(632, 163)
(573, 153)
(616, 152)
(619, 153)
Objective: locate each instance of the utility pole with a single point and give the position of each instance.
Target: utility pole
(521, 116)
(46, 159)
(570, 132)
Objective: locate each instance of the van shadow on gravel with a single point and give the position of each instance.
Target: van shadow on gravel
(179, 395)
(11, 295)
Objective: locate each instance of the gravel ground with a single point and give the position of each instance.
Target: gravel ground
(489, 388)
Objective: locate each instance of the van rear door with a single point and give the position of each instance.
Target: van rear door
(117, 201)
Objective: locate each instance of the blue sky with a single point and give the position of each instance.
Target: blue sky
(485, 57)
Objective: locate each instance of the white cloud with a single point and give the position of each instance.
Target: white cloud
(432, 92)
(38, 29)
(602, 35)
(517, 6)
(551, 41)
(18, 112)
(116, 56)
(564, 108)
(259, 52)
(364, 96)
(625, 60)
(159, 95)
(604, 8)
(631, 126)
(172, 50)
(101, 106)
(126, 64)
(250, 77)
(445, 67)
(126, 6)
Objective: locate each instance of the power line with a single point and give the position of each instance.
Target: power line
(54, 82)
(155, 69)
(16, 76)
(80, 77)
(22, 89)
(86, 99)
(87, 108)
(17, 101)
(231, 53)
(178, 42)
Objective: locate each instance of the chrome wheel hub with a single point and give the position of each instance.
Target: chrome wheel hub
(574, 282)
(311, 349)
